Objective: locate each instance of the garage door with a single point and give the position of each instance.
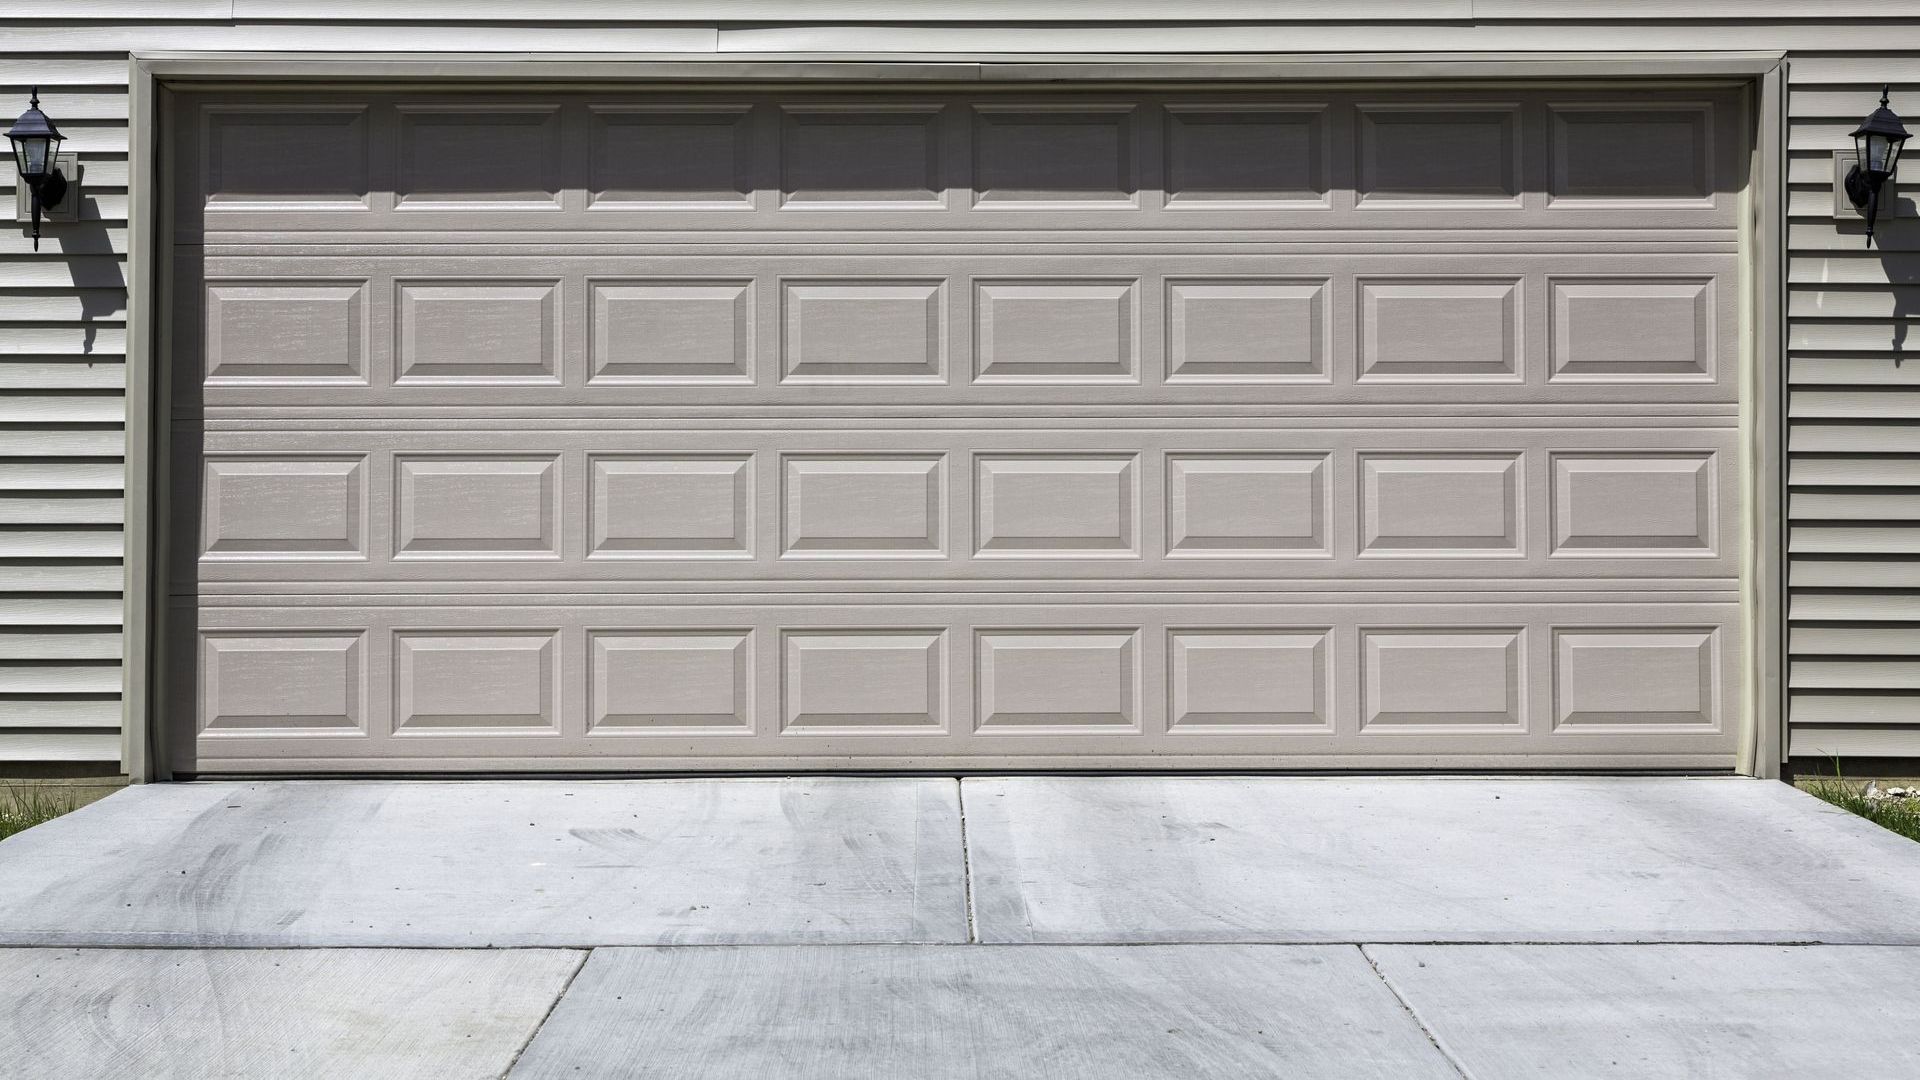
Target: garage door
(1365, 426)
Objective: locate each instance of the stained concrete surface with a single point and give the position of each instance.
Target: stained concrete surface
(500, 863)
(159, 1014)
(1686, 1012)
(1143, 859)
(934, 1012)
(821, 927)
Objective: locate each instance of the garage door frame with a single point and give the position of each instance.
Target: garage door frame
(1763, 226)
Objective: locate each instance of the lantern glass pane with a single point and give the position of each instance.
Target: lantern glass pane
(31, 155)
(1878, 149)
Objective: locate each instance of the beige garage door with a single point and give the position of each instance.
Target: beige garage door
(1366, 426)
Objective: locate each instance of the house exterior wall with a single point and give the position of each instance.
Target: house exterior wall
(1854, 428)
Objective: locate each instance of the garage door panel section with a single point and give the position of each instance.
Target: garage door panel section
(1147, 326)
(1000, 158)
(1265, 502)
(755, 681)
(1012, 426)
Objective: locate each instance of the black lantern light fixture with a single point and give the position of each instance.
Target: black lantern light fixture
(36, 153)
(1877, 142)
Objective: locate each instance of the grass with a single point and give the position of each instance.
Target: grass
(24, 806)
(1899, 815)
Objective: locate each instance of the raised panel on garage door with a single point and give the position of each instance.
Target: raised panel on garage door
(1009, 427)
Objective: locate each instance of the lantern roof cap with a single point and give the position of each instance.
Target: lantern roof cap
(1882, 121)
(33, 123)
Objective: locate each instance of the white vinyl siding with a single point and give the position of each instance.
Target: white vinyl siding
(1853, 474)
(62, 430)
(1854, 466)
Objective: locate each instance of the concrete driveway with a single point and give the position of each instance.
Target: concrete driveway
(993, 927)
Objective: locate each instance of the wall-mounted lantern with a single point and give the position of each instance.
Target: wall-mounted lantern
(1877, 142)
(36, 153)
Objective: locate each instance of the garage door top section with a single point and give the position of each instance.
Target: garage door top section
(628, 430)
(1203, 159)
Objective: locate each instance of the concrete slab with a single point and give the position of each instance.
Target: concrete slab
(1083, 859)
(1656, 1011)
(499, 863)
(935, 1011)
(371, 1014)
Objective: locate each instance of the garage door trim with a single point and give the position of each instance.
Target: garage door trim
(1762, 231)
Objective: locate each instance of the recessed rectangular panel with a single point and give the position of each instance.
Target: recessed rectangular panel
(284, 507)
(1439, 330)
(679, 157)
(880, 682)
(864, 506)
(1055, 331)
(863, 332)
(476, 507)
(1439, 154)
(1249, 681)
(670, 506)
(866, 156)
(1228, 156)
(1057, 681)
(1632, 153)
(502, 332)
(476, 682)
(1635, 679)
(286, 333)
(1251, 505)
(672, 332)
(1467, 679)
(1632, 329)
(311, 157)
(1247, 331)
(670, 682)
(478, 156)
(1045, 157)
(1056, 506)
(1441, 504)
(304, 682)
(1626, 504)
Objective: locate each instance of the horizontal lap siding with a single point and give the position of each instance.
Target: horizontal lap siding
(62, 430)
(1855, 429)
(1853, 374)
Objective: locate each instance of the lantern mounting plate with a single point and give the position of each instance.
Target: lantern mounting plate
(68, 208)
(1892, 205)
